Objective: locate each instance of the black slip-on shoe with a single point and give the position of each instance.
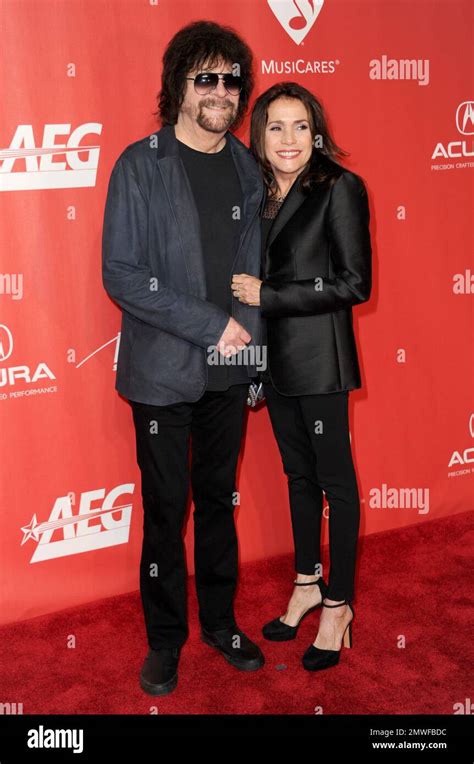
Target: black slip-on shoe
(235, 647)
(159, 674)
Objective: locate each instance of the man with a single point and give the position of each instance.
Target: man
(181, 217)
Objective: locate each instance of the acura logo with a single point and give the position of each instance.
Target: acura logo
(6, 342)
(465, 118)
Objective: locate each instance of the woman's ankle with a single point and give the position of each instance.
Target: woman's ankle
(304, 578)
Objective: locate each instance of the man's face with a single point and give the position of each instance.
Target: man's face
(214, 111)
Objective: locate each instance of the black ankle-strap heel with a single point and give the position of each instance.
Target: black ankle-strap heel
(277, 631)
(316, 659)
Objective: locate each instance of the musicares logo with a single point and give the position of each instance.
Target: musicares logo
(296, 16)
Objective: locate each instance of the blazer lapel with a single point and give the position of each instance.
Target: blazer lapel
(181, 199)
(250, 181)
(182, 202)
(293, 201)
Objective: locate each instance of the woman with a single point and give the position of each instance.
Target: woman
(316, 266)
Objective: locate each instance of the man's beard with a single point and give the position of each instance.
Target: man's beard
(216, 123)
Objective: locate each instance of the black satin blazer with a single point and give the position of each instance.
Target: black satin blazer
(317, 265)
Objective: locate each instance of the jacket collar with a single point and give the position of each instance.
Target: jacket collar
(295, 198)
(181, 198)
(175, 178)
(249, 175)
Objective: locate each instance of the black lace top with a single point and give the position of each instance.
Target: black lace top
(271, 210)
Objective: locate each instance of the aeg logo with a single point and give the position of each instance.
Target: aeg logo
(77, 170)
(78, 532)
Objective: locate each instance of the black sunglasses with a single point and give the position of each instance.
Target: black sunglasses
(205, 82)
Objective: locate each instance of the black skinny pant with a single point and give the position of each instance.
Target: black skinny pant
(214, 424)
(314, 462)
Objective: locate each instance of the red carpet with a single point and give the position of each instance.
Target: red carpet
(415, 582)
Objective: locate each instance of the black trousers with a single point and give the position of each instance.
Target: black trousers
(213, 424)
(312, 432)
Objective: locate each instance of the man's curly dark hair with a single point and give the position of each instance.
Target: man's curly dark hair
(199, 43)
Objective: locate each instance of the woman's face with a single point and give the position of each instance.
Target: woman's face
(288, 141)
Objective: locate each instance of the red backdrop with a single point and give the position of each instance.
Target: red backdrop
(396, 79)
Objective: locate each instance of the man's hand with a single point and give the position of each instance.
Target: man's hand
(246, 288)
(233, 339)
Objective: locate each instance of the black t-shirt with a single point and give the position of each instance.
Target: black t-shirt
(218, 196)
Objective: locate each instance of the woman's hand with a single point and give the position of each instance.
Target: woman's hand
(246, 288)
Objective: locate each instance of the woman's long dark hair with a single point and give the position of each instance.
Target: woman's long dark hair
(317, 169)
(199, 43)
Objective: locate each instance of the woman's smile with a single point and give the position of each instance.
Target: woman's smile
(289, 153)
